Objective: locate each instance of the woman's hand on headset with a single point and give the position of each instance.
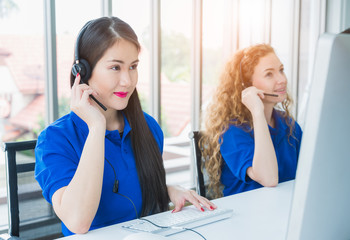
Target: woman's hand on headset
(83, 106)
(252, 99)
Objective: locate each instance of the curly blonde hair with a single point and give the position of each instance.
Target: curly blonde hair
(226, 108)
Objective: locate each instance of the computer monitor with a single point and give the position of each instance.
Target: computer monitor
(321, 198)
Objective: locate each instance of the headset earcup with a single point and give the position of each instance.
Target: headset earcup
(75, 69)
(85, 70)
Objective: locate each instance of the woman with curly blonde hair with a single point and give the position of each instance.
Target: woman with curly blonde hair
(250, 139)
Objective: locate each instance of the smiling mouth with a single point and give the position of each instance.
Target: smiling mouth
(121, 94)
(280, 90)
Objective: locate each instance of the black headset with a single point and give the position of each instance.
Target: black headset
(81, 66)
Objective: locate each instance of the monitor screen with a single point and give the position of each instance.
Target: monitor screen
(321, 199)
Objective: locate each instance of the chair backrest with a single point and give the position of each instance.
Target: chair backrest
(197, 153)
(29, 215)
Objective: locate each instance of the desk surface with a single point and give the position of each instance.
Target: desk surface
(258, 214)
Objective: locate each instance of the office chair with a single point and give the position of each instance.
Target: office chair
(197, 153)
(29, 215)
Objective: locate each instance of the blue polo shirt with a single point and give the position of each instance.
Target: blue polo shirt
(58, 152)
(237, 150)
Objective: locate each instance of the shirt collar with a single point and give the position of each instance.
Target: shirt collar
(80, 124)
(281, 128)
(279, 120)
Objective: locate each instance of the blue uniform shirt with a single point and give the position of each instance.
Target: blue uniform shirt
(237, 150)
(58, 151)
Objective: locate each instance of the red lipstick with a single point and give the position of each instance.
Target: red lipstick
(121, 94)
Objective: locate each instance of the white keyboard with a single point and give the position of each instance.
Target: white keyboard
(170, 223)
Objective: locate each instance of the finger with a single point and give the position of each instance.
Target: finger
(177, 209)
(244, 94)
(83, 87)
(77, 80)
(79, 90)
(86, 94)
(195, 202)
(76, 83)
(95, 93)
(206, 203)
(261, 95)
(178, 206)
(248, 91)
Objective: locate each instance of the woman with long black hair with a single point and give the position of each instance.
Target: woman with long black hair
(97, 166)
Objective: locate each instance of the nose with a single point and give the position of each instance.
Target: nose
(125, 79)
(282, 79)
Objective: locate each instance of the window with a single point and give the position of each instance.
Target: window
(227, 25)
(70, 18)
(215, 42)
(21, 77)
(22, 71)
(139, 19)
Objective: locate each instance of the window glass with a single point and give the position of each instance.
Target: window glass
(252, 21)
(21, 69)
(70, 18)
(220, 41)
(176, 65)
(22, 106)
(310, 29)
(213, 46)
(176, 47)
(282, 19)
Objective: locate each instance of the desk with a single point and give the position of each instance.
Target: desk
(258, 214)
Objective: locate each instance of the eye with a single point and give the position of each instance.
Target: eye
(268, 74)
(116, 68)
(282, 70)
(133, 67)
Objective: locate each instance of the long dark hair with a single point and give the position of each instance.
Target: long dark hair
(100, 35)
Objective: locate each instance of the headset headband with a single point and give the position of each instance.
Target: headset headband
(76, 52)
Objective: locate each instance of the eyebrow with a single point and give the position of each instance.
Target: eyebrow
(270, 69)
(122, 62)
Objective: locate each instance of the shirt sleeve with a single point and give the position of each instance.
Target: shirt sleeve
(237, 150)
(56, 161)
